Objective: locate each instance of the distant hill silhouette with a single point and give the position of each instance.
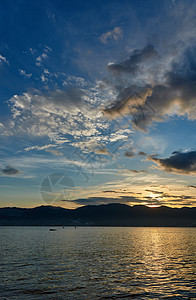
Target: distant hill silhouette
(100, 215)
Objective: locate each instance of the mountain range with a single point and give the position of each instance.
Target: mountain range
(98, 215)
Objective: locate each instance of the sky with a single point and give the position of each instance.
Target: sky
(97, 103)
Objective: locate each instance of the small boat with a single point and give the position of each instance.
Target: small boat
(52, 229)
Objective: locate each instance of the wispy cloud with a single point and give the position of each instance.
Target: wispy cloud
(43, 56)
(114, 34)
(39, 148)
(3, 59)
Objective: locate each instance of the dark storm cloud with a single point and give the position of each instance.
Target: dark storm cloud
(171, 91)
(132, 64)
(9, 171)
(179, 162)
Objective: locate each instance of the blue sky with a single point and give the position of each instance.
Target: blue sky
(102, 94)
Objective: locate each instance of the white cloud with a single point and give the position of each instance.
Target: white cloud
(25, 74)
(39, 148)
(40, 58)
(3, 59)
(43, 56)
(63, 116)
(46, 71)
(44, 78)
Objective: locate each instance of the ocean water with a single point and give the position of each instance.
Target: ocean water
(97, 263)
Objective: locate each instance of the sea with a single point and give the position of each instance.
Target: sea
(97, 263)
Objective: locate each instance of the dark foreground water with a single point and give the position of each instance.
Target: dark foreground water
(97, 263)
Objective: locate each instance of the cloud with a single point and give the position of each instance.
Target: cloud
(137, 172)
(149, 90)
(46, 148)
(179, 162)
(55, 152)
(134, 62)
(192, 186)
(39, 148)
(129, 200)
(9, 171)
(105, 200)
(56, 103)
(114, 35)
(129, 154)
(141, 153)
(103, 151)
(25, 74)
(114, 192)
(69, 100)
(40, 59)
(43, 56)
(154, 192)
(3, 59)
(128, 102)
(51, 114)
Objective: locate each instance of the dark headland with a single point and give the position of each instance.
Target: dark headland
(98, 215)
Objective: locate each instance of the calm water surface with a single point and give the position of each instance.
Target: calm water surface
(97, 263)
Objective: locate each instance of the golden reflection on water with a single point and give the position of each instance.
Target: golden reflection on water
(166, 254)
(97, 262)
